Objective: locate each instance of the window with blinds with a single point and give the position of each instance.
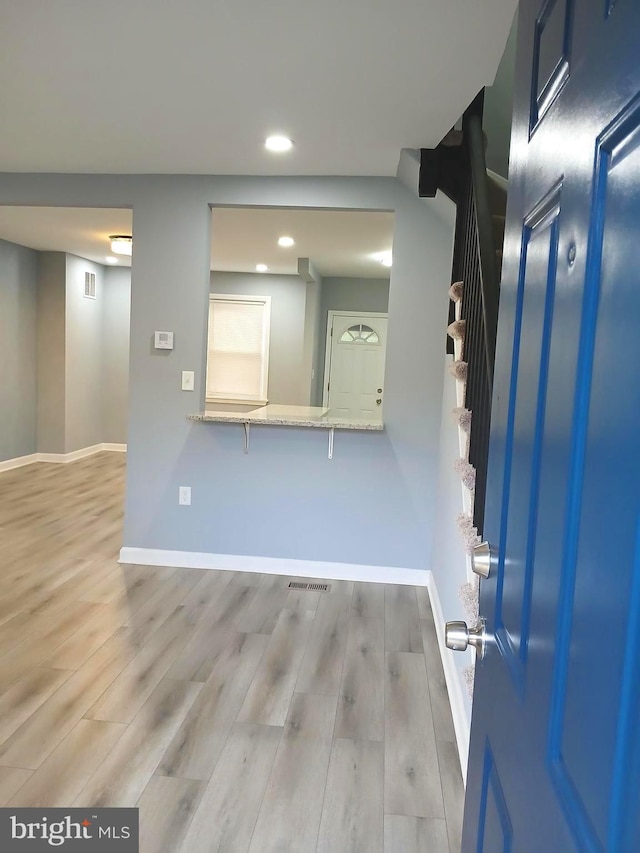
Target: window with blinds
(238, 355)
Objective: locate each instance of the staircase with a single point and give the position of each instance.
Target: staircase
(458, 168)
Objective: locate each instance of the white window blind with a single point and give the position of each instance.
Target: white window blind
(237, 364)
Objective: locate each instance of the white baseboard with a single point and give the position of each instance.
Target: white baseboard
(274, 566)
(63, 458)
(18, 462)
(454, 685)
(60, 458)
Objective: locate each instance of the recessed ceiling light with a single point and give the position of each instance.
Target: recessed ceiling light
(285, 242)
(385, 258)
(261, 267)
(278, 143)
(111, 260)
(121, 244)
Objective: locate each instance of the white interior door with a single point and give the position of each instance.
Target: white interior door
(356, 353)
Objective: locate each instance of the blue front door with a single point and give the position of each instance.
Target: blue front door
(555, 742)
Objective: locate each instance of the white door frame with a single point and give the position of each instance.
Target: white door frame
(329, 341)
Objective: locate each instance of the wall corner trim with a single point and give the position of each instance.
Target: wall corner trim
(60, 458)
(274, 566)
(454, 685)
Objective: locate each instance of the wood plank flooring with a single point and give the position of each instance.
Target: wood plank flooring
(237, 714)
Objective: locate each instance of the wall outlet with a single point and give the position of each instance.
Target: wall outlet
(188, 380)
(184, 495)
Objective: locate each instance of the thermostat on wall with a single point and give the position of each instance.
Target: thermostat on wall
(163, 340)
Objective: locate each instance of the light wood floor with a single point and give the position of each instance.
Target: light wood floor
(237, 714)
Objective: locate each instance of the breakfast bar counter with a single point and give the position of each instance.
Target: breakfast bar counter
(315, 417)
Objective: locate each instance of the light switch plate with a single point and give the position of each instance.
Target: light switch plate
(188, 380)
(163, 340)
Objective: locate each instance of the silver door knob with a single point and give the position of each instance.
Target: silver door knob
(458, 637)
(378, 402)
(481, 559)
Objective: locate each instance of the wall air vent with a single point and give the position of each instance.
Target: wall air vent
(90, 285)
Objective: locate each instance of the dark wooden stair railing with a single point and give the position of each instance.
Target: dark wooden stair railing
(458, 168)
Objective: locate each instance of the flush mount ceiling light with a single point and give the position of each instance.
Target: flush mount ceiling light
(278, 144)
(286, 242)
(111, 260)
(121, 244)
(385, 258)
(261, 267)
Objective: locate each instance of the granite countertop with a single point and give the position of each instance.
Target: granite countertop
(298, 416)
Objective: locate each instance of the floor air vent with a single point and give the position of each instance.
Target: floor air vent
(311, 587)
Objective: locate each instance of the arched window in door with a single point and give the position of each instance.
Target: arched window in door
(360, 334)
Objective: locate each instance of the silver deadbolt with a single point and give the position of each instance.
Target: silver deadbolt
(481, 559)
(379, 390)
(458, 637)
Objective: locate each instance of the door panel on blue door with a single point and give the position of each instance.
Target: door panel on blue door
(534, 317)
(551, 56)
(495, 829)
(584, 736)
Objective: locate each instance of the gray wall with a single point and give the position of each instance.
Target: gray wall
(51, 350)
(115, 364)
(448, 561)
(18, 301)
(354, 294)
(286, 340)
(83, 378)
(284, 498)
(347, 294)
(498, 108)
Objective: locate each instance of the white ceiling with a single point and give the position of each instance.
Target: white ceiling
(194, 86)
(76, 230)
(340, 243)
